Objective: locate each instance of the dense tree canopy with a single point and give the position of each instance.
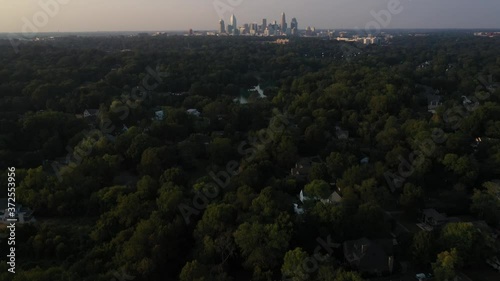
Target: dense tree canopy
(187, 174)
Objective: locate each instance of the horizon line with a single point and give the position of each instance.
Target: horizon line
(210, 30)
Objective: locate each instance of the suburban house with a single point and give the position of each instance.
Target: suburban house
(433, 97)
(91, 113)
(493, 87)
(193, 112)
(430, 219)
(433, 217)
(303, 166)
(91, 116)
(364, 160)
(370, 257)
(433, 105)
(484, 228)
(159, 115)
(298, 210)
(334, 198)
(475, 144)
(22, 214)
(341, 134)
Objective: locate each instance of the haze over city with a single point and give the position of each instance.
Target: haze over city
(132, 15)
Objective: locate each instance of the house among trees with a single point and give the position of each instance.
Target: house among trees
(159, 115)
(492, 87)
(341, 134)
(193, 112)
(303, 167)
(433, 105)
(370, 257)
(22, 214)
(433, 97)
(364, 160)
(334, 198)
(91, 116)
(484, 228)
(91, 113)
(298, 210)
(431, 219)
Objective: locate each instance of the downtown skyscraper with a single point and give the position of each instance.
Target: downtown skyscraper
(294, 27)
(222, 26)
(234, 25)
(283, 23)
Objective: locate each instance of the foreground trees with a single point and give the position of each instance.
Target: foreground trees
(486, 203)
(423, 248)
(116, 205)
(446, 265)
(262, 245)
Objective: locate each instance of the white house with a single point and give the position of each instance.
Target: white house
(341, 134)
(298, 210)
(193, 112)
(159, 115)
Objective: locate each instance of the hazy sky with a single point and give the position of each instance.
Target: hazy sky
(161, 15)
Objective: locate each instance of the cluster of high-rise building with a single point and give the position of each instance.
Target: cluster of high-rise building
(487, 34)
(263, 29)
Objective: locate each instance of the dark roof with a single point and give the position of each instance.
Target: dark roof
(369, 255)
(304, 165)
(335, 197)
(93, 112)
(432, 213)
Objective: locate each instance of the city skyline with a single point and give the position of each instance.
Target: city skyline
(253, 28)
(129, 15)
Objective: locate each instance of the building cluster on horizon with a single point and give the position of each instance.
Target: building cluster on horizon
(283, 29)
(345, 36)
(368, 40)
(487, 34)
(264, 29)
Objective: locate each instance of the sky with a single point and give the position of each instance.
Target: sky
(19, 16)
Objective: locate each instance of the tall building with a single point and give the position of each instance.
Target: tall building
(283, 23)
(234, 24)
(246, 29)
(264, 24)
(222, 26)
(294, 26)
(254, 28)
(308, 31)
